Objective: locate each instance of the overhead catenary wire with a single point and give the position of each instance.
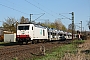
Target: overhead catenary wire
(41, 14)
(39, 8)
(39, 17)
(46, 8)
(42, 5)
(33, 5)
(19, 10)
(65, 17)
(14, 9)
(20, 6)
(56, 13)
(27, 13)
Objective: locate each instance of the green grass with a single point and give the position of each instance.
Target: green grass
(1, 42)
(58, 52)
(78, 41)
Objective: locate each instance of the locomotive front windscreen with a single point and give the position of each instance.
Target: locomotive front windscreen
(23, 27)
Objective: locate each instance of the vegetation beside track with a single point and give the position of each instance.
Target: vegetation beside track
(58, 53)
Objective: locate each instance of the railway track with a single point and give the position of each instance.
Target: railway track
(25, 51)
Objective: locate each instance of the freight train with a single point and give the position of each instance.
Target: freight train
(38, 33)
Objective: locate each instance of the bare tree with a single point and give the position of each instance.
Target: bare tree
(88, 24)
(64, 28)
(24, 20)
(52, 25)
(47, 23)
(10, 24)
(58, 24)
(70, 28)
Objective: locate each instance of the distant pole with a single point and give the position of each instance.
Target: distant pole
(81, 26)
(30, 17)
(72, 24)
(89, 24)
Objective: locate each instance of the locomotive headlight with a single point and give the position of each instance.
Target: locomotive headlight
(17, 35)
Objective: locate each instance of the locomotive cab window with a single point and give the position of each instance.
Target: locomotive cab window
(32, 27)
(23, 27)
(43, 32)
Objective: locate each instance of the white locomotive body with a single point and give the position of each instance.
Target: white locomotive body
(28, 32)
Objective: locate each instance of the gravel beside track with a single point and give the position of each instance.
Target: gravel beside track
(23, 52)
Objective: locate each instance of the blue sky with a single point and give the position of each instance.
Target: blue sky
(51, 8)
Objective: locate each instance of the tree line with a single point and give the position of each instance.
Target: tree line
(10, 24)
